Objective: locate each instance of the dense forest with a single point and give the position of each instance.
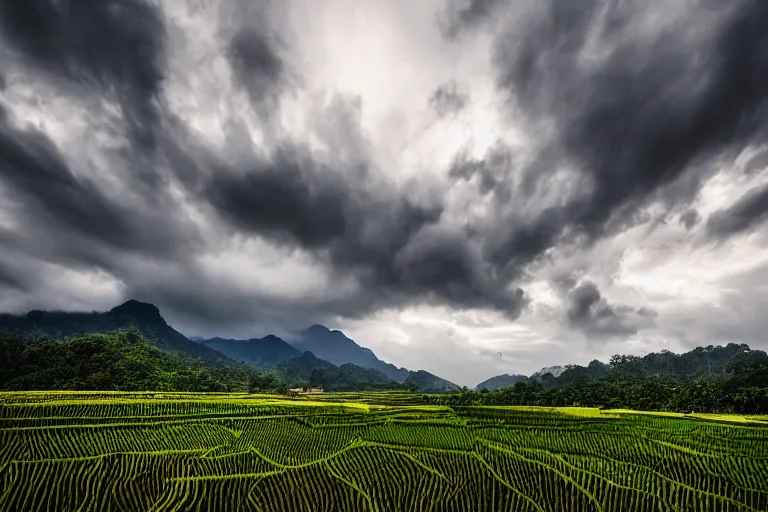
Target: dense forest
(123, 361)
(730, 379)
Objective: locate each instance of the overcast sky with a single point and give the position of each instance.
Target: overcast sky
(445, 181)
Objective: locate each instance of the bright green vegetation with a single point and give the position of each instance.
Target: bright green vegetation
(99, 451)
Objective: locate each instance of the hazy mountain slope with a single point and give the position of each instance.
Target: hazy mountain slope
(268, 351)
(350, 377)
(142, 316)
(335, 347)
(427, 382)
(299, 369)
(501, 381)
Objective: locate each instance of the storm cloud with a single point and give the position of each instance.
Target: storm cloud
(641, 114)
(589, 311)
(116, 47)
(749, 211)
(254, 166)
(256, 64)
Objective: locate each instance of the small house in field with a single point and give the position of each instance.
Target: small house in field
(296, 391)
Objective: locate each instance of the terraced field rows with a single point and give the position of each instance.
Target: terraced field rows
(64, 451)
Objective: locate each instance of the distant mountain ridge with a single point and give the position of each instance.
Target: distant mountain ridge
(351, 377)
(428, 382)
(501, 381)
(142, 316)
(339, 359)
(299, 369)
(268, 351)
(335, 347)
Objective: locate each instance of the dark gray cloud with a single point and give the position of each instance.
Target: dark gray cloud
(492, 171)
(690, 218)
(290, 196)
(256, 63)
(589, 311)
(460, 15)
(390, 241)
(63, 213)
(639, 121)
(745, 214)
(117, 46)
(639, 114)
(10, 278)
(757, 163)
(394, 246)
(65, 216)
(446, 99)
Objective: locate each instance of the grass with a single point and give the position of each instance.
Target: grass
(370, 452)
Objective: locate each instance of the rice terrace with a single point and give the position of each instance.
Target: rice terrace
(97, 451)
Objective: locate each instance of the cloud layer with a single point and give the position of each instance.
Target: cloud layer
(248, 169)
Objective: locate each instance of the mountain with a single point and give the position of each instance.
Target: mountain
(142, 316)
(335, 347)
(427, 382)
(307, 369)
(298, 370)
(555, 371)
(327, 346)
(501, 381)
(350, 377)
(268, 351)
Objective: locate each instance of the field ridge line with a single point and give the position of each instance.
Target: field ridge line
(510, 451)
(354, 486)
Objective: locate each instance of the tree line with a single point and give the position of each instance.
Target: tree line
(730, 379)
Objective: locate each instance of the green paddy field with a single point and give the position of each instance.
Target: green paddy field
(367, 452)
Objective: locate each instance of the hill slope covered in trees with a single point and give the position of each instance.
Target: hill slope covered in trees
(733, 378)
(143, 317)
(122, 361)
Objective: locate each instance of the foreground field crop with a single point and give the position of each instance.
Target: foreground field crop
(132, 452)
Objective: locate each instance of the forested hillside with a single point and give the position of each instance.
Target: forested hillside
(142, 316)
(733, 378)
(123, 361)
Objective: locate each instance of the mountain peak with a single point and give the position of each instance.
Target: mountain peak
(317, 329)
(141, 310)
